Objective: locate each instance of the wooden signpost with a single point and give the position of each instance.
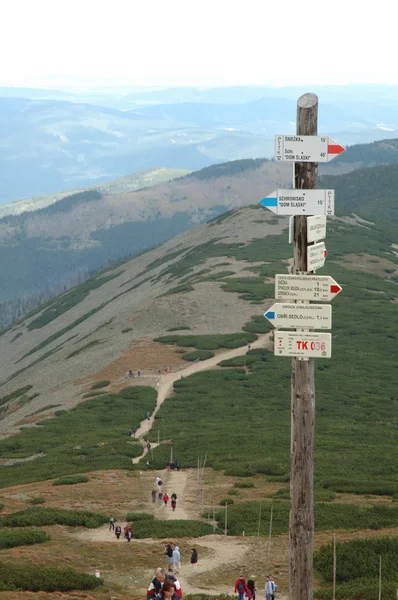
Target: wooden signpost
(305, 150)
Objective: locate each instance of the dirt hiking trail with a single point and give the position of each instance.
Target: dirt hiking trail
(164, 385)
(220, 552)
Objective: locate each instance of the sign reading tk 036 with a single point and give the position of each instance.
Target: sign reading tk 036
(311, 345)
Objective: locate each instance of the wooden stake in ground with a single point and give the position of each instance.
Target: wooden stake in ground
(334, 566)
(301, 526)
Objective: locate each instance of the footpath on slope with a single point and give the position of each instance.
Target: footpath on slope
(164, 385)
(221, 552)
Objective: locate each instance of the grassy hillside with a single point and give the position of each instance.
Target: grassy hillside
(371, 192)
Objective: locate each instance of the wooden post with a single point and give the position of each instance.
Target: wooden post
(334, 566)
(301, 525)
(214, 519)
(380, 578)
(259, 522)
(270, 529)
(226, 520)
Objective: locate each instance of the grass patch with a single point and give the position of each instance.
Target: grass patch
(198, 355)
(16, 336)
(84, 348)
(244, 484)
(45, 408)
(139, 516)
(25, 537)
(172, 528)
(71, 480)
(357, 569)
(16, 394)
(179, 328)
(36, 578)
(127, 329)
(244, 516)
(100, 384)
(226, 501)
(179, 289)
(36, 501)
(54, 516)
(67, 301)
(257, 324)
(100, 438)
(209, 342)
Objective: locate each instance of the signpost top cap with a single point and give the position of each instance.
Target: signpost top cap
(307, 101)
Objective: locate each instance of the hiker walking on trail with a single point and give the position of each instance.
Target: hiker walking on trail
(274, 588)
(165, 498)
(160, 497)
(159, 580)
(153, 495)
(194, 560)
(251, 586)
(169, 552)
(241, 587)
(168, 592)
(111, 524)
(148, 446)
(118, 531)
(148, 415)
(176, 559)
(173, 501)
(269, 588)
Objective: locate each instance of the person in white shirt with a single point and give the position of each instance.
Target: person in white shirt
(268, 588)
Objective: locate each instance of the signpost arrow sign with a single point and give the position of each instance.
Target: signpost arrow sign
(294, 343)
(309, 316)
(316, 255)
(316, 228)
(300, 202)
(306, 287)
(306, 148)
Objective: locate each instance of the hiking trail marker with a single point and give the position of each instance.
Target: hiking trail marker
(300, 202)
(316, 228)
(316, 255)
(306, 148)
(302, 344)
(320, 288)
(309, 316)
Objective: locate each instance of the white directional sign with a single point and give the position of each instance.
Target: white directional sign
(306, 287)
(316, 228)
(316, 255)
(300, 202)
(290, 316)
(306, 148)
(294, 343)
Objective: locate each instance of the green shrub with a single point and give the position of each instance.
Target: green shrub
(24, 537)
(36, 578)
(179, 328)
(209, 342)
(94, 393)
(244, 484)
(16, 394)
(359, 589)
(172, 528)
(71, 480)
(139, 516)
(225, 501)
(198, 355)
(233, 492)
(37, 500)
(53, 516)
(127, 329)
(100, 384)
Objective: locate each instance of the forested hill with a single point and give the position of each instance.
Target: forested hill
(370, 192)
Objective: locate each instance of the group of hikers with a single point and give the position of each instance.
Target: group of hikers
(163, 497)
(247, 589)
(166, 586)
(127, 531)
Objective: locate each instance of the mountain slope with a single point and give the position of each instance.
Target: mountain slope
(372, 192)
(119, 312)
(50, 246)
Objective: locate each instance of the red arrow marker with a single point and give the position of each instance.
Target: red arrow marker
(335, 289)
(325, 253)
(335, 149)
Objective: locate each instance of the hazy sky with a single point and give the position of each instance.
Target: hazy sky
(206, 42)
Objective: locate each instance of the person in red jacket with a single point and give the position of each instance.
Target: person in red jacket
(241, 587)
(165, 498)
